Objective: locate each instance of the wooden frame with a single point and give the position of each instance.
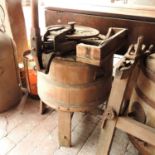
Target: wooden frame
(125, 79)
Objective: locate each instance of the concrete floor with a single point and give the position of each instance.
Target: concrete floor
(23, 131)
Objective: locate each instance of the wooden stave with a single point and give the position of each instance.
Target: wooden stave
(148, 105)
(69, 104)
(69, 72)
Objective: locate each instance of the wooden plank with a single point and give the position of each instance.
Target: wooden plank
(136, 129)
(133, 12)
(64, 126)
(115, 100)
(98, 54)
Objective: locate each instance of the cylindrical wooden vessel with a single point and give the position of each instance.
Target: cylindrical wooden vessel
(143, 101)
(10, 93)
(73, 86)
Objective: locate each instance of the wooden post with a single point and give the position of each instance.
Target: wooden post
(42, 107)
(115, 100)
(64, 126)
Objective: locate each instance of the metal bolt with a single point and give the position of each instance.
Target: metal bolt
(72, 25)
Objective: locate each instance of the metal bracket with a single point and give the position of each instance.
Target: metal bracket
(109, 114)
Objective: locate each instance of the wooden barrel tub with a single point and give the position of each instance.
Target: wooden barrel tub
(74, 86)
(142, 102)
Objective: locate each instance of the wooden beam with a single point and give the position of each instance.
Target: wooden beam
(42, 107)
(136, 129)
(115, 100)
(64, 126)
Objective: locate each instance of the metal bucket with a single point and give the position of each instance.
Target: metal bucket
(142, 103)
(10, 93)
(30, 73)
(73, 86)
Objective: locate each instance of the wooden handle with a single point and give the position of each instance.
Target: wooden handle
(34, 11)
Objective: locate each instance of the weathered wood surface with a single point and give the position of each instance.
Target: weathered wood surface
(98, 54)
(64, 126)
(115, 100)
(137, 129)
(73, 97)
(68, 71)
(142, 103)
(31, 133)
(118, 95)
(68, 85)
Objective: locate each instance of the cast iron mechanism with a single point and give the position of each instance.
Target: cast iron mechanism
(63, 38)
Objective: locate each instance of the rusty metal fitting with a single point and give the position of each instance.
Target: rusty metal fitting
(109, 114)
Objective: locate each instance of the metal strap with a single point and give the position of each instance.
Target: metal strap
(148, 73)
(144, 97)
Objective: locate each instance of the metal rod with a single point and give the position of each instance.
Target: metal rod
(35, 35)
(34, 11)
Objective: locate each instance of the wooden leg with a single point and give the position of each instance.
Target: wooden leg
(42, 107)
(64, 125)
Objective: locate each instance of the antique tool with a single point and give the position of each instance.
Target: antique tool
(120, 93)
(92, 47)
(70, 91)
(66, 84)
(67, 88)
(58, 39)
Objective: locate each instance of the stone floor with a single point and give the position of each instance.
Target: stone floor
(23, 131)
